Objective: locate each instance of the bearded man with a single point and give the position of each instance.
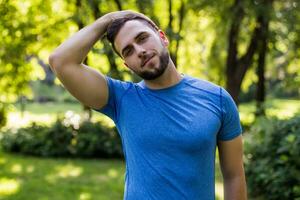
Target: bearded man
(170, 123)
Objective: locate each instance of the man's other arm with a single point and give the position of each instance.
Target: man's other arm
(231, 162)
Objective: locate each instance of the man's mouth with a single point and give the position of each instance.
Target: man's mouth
(147, 60)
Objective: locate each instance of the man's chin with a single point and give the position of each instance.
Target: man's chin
(151, 74)
(154, 70)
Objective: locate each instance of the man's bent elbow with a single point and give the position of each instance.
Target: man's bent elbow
(56, 62)
(53, 61)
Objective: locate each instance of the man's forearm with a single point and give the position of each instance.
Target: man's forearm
(75, 49)
(235, 188)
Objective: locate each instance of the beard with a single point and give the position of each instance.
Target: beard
(164, 58)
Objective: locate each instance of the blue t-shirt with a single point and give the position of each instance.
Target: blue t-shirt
(169, 136)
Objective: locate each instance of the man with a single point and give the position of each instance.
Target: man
(169, 123)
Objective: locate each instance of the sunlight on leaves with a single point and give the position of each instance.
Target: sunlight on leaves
(247, 118)
(284, 110)
(15, 120)
(72, 119)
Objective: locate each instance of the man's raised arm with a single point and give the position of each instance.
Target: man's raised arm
(86, 84)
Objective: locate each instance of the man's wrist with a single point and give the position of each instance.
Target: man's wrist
(104, 21)
(101, 25)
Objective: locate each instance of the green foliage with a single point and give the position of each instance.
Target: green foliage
(29, 29)
(64, 139)
(286, 88)
(273, 162)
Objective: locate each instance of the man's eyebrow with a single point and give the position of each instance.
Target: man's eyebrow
(135, 38)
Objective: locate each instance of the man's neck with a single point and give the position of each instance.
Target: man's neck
(169, 78)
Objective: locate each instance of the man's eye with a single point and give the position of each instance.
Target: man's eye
(143, 38)
(127, 52)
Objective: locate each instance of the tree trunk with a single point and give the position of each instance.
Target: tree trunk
(178, 36)
(260, 90)
(175, 36)
(119, 4)
(236, 68)
(232, 61)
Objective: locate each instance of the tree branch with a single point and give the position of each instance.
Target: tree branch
(178, 37)
(238, 14)
(119, 4)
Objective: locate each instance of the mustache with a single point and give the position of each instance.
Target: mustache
(146, 57)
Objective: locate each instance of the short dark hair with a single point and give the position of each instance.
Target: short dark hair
(117, 24)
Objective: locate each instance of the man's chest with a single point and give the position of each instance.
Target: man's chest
(188, 124)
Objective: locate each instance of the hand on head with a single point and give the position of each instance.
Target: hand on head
(128, 13)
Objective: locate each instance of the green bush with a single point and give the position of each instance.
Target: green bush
(94, 139)
(273, 162)
(64, 139)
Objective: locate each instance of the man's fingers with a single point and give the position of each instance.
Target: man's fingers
(128, 13)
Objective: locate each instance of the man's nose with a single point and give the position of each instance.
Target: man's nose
(140, 51)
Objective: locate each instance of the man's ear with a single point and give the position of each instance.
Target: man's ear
(163, 37)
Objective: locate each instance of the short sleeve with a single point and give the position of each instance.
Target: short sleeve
(116, 90)
(231, 125)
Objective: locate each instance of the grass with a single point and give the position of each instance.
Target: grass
(24, 177)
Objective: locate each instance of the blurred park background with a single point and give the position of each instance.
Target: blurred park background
(52, 147)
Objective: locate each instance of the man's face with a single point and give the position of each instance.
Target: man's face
(143, 49)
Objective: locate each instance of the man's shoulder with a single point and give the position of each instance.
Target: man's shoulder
(125, 85)
(204, 85)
